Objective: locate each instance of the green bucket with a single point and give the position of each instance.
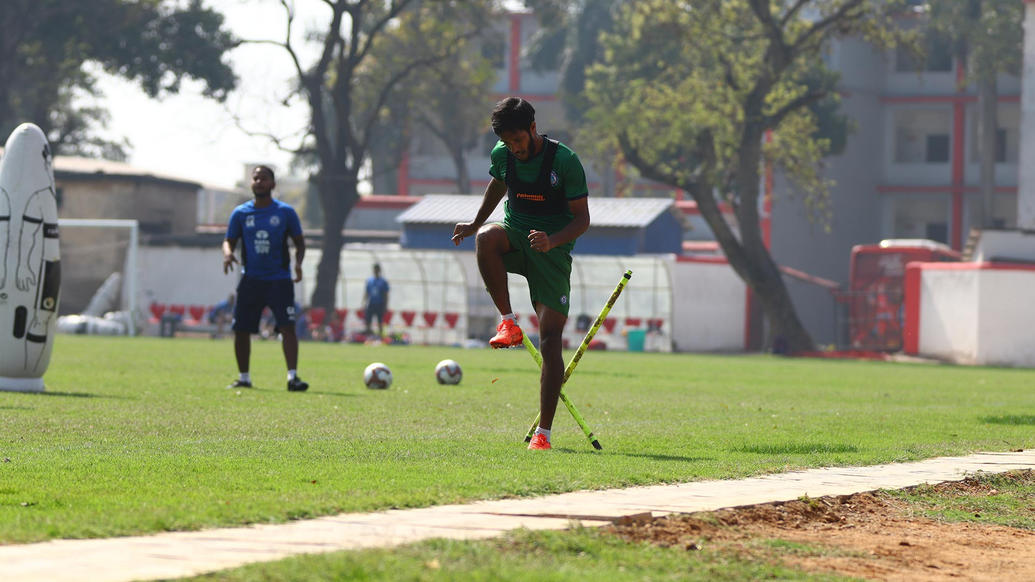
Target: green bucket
(636, 338)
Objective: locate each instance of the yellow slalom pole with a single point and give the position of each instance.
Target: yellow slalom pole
(575, 360)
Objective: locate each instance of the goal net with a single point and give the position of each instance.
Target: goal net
(92, 250)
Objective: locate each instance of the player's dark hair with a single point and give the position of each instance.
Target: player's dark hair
(512, 114)
(268, 169)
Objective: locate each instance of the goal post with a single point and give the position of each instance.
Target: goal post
(129, 269)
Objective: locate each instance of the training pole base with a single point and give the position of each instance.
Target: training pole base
(596, 445)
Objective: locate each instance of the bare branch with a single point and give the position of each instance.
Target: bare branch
(276, 140)
(389, 86)
(795, 104)
(820, 27)
(792, 12)
(368, 43)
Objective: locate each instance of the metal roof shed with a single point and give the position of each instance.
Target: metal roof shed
(618, 226)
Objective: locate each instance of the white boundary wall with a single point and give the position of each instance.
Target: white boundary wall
(700, 303)
(972, 313)
(710, 307)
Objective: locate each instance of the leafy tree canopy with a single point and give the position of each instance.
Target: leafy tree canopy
(688, 90)
(989, 32)
(49, 48)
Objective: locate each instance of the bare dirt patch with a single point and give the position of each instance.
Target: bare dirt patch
(866, 535)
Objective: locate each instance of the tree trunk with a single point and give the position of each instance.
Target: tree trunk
(747, 255)
(463, 179)
(755, 264)
(338, 194)
(987, 138)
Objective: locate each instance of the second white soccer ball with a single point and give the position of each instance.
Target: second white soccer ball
(377, 376)
(448, 372)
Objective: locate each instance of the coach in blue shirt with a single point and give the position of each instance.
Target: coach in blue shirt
(264, 224)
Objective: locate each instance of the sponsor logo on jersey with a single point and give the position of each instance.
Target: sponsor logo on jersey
(532, 197)
(249, 221)
(564, 299)
(262, 242)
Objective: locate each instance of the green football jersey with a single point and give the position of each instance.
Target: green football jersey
(567, 179)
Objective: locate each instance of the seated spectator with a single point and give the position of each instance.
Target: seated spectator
(336, 328)
(221, 315)
(302, 323)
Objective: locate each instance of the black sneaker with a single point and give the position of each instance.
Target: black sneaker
(239, 384)
(297, 385)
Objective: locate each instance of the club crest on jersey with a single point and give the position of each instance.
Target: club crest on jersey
(274, 220)
(554, 180)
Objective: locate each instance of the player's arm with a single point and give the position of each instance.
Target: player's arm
(229, 258)
(299, 241)
(579, 208)
(494, 192)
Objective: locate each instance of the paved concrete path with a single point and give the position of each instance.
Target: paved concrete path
(172, 555)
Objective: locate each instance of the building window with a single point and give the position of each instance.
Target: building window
(1007, 137)
(921, 216)
(937, 57)
(937, 148)
(938, 231)
(1004, 211)
(922, 136)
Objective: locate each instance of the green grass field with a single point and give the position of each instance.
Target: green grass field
(139, 435)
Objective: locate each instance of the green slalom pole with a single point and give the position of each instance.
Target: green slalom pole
(567, 403)
(575, 360)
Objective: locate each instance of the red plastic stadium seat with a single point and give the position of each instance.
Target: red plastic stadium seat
(157, 311)
(609, 324)
(342, 313)
(180, 310)
(408, 317)
(655, 324)
(430, 317)
(388, 316)
(533, 321)
(633, 321)
(317, 315)
(452, 318)
(197, 313)
(361, 313)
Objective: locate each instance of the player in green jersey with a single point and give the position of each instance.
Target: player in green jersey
(545, 211)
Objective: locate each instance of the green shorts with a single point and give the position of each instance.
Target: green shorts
(548, 274)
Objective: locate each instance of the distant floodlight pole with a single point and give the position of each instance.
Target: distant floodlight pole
(130, 268)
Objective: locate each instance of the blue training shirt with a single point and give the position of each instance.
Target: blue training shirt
(264, 233)
(377, 291)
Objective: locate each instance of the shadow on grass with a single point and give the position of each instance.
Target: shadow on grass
(640, 455)
(80, 395)
(795, 448)
(1014, 419)
(322, 393)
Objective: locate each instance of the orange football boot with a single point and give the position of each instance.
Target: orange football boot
(507, 334)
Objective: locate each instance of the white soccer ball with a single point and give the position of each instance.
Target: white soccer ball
(448, 372)
(377, 376)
